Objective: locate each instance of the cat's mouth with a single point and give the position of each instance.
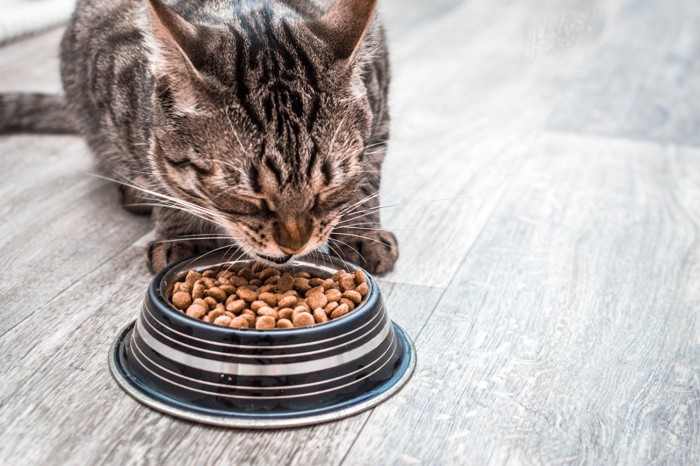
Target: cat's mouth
(277, 260)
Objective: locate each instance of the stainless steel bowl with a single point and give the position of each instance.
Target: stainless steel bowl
(261, 379)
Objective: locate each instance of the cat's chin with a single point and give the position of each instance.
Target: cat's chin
(274, 260)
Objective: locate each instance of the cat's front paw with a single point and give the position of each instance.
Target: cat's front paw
(376, 251)
(160, 254)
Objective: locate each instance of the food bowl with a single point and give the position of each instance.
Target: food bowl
(261, 378)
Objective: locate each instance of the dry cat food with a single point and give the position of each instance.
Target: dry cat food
(269, 298)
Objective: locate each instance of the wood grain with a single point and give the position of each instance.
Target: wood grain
(643, 82)
(569, 334)
(554, 303)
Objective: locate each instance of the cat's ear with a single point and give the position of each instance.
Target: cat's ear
(344, 25)
(173, 41)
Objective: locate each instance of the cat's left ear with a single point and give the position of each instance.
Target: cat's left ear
(173, 42)
(344, 25)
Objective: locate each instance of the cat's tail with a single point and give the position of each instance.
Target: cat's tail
(35, 113)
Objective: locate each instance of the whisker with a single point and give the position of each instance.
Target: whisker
(365, 237)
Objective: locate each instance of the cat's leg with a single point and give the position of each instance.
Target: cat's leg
(173, 243)
(133, 200)
(359, 237)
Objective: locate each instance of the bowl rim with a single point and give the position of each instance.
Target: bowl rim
(157, 298)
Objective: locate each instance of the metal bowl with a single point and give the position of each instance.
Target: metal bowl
(261, 378)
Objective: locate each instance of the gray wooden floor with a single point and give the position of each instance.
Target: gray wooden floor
(554, 303)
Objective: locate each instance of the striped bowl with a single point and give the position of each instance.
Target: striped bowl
(261, 379)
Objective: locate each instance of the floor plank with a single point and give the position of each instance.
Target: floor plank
(645, 88)
(468, 101)
(570, 333)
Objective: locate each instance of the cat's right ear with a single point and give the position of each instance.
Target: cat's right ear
(172, 40)
(344, 25)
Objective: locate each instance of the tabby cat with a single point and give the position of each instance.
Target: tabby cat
(261, 124)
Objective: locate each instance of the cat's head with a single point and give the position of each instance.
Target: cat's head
(261, 119)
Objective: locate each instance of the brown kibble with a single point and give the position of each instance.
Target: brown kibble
(208, 282)
(272, 280)
(269, 298)
(255, 305)
(197, 291)
(359, 277)
(182, 300)
(240, 322)
(265, 322)
(316, 289)
(340, 311)
(223, 273)
(216, 293)
(300, 310)
(185, 287)
(334, 295)
(320, 316)
(250, 318)
(331, 307)
(349, 303)
(247, 295)
(201, 302)
(267, 311)
(222, 281)
(315, 300)
(228, 289)
(237, 281)
(302, 284)
(192, 277)
(303, 319)
(235, 306)
(266, 289)
(363, 289)
(285, 323)
(224, 321)
(287, 301)
(347, 282)
(267, 273)
(285, 283)
(197, 311)
(353, 296)
(316, 282)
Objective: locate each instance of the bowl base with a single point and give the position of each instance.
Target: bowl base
(140, 391)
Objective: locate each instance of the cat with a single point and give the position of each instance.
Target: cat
(257, 124)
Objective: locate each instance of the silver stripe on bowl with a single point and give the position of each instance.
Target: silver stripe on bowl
(264, 397)
(134, 344)
(253, 370)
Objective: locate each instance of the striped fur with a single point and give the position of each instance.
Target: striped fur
(35, 113)
(256, 121)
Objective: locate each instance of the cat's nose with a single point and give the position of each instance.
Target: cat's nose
(292, 233)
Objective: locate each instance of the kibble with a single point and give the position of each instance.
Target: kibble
(267, 299)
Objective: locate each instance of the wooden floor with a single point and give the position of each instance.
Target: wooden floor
(554, 302)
